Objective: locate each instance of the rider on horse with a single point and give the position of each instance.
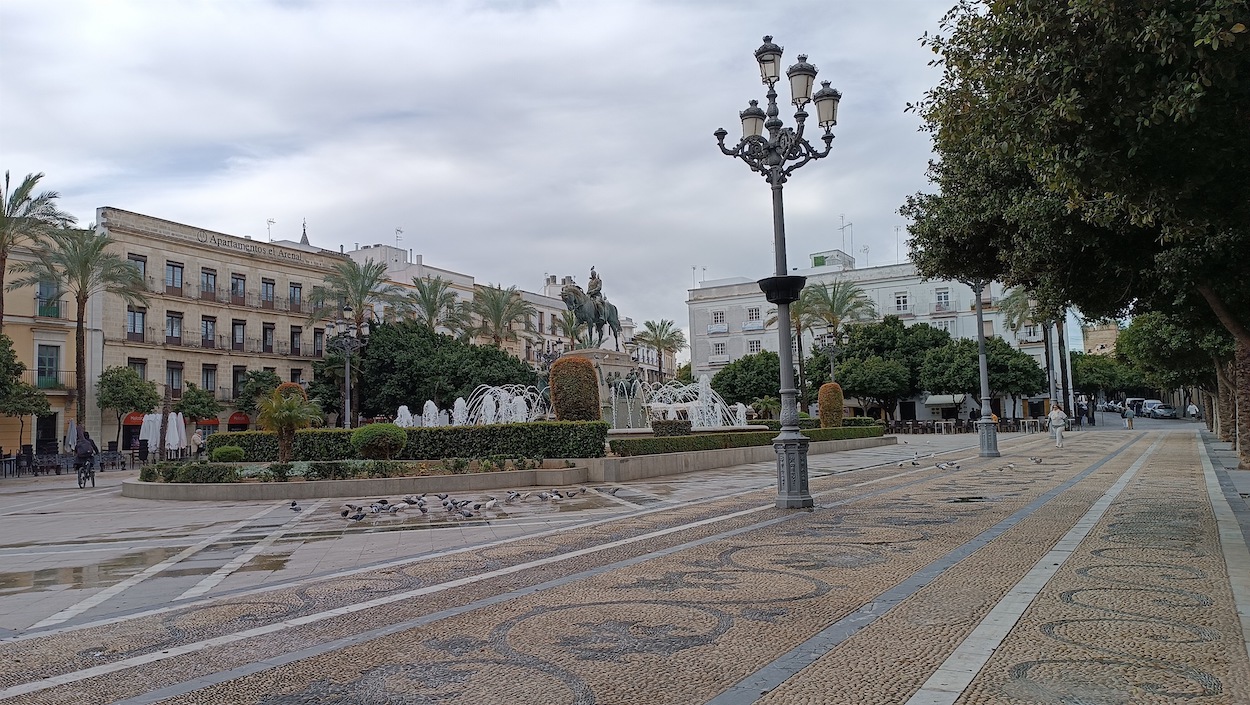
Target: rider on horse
(594, 289)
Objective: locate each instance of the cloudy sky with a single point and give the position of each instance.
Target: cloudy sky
(508, 139)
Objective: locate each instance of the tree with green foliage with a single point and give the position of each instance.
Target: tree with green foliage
(749, 378)
(434, 305)
(18, 398)
(124, 391)
(802, 318)
(197, 404)
(662, 336)
(79, 262)
(838, 305)
(284, 414)
(685, 376)
(500, 312)
(257, 385)
(889, 339)
(24, 218)
(407, 364)
(767, 407)
(875, 381)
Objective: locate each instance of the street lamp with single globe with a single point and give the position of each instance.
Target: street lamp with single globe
(775, 157)
(987, 431)
(350, 338)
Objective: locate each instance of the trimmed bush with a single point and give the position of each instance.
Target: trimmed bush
(775, 425)
(330, 470)
(258, 446)
(830, 399)
(574, 389)
(379, 441)
(720, 441)
(148, 473)
(670, 427)
(206, 472)
(277, 472)
(228, 454)
(861, 421)
(322, 444)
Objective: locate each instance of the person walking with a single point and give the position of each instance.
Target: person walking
(197, 442)
(1058, 421)
(1128, 417)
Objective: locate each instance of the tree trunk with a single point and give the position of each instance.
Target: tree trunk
(166, 405)
(1226, 413)
(1225, 316)
(4, 267)
(1241, 404)
(1209, 411)
(1050, 366)
(80, 360)
(119, 429)
(1068, 404)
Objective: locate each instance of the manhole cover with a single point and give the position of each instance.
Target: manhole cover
(966, 499)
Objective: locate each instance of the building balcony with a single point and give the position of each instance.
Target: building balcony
(752, 325)
(52, 308)
(718, 359)
(714, 328)
(903, 311)
(224, 394)
(986, 302)
(943, 308)
(50, 380)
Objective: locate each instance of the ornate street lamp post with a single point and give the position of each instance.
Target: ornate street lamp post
(775, 157)
(350, 339)
(987, 432)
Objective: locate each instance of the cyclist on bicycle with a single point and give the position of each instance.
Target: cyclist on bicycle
(85, 450)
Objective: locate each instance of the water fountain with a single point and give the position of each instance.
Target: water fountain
(511, 403)
(429, 414)
(460, 412)
(697, 402)
(403, 418)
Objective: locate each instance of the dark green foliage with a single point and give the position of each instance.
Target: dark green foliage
(749, 378)
(205, 472)
(227, 454)
(123, 390)
(860, 421)
(167, 469)
(720, 441)
(277, 472)
(670, 427)
(775, 425)
(527, 440)
(830, 400)
(379, 441)
(257, 384)
(574, 389)
(198, 403)
(148, 473)
(331, 470)
(406, 361)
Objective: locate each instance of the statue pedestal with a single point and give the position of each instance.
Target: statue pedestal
(609, 367)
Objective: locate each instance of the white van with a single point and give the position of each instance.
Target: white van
(1148, 405)
(1134, 403)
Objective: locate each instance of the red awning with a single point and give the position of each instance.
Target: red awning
(239, 418)
(207, 422)
(134, 418)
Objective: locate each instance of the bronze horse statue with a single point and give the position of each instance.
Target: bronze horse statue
(594, 317)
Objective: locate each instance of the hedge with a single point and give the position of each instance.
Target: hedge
(538, 439)
(379, 441)
(671, 427)
(775, 425)
(720, 441)
(861, 421)
(227, 454)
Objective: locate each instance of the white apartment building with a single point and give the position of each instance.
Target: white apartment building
(728, 317)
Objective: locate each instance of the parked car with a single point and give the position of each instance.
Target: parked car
(1163, 411)
(1148, 405)
(1110, 406)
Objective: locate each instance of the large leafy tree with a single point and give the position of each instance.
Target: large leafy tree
(662, 336)
(24, 218)
(875, 381)
(196, 404)
(749, 378)
(802, 318)
(18, 398)
(123, 390)
(889, 340)
(257, 385)
(500, 312)
(408, 364)
(79, 262)
(838, 305)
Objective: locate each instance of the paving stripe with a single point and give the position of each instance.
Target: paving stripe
(109, 592)
(81, 496)
(142, 659)
(1232, 539)
(956, 673)
(753, 687)
(212, 581)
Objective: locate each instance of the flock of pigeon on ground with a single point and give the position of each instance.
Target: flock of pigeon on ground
(456, 508)
(915, 461)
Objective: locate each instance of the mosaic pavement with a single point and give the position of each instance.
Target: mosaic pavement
(1106, 573)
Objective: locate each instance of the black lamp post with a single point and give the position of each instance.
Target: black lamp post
(350, 339)
(776, 157)
(987, 431)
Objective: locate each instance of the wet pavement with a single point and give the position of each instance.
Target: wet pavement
(1110, 571)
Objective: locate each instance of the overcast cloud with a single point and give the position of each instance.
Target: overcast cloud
(508, 139)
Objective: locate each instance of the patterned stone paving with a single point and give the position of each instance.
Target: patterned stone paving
(681, 603)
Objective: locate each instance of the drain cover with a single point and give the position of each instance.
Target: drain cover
(966, 499)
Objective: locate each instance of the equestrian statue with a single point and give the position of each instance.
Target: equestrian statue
(592, 309)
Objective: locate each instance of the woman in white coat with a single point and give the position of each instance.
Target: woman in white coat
(1058, 421)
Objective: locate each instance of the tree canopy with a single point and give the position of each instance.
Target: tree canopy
(749, 378)
(257, 384)
(123, 390)
(196, 404)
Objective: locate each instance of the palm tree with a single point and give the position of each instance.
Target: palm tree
(499, 311)
(24, 218)
(78, 262)
(567, 325)
(284, 414)
(802, 318)
(434, 304)
(662, 337)
(354, 291)
(838, 304)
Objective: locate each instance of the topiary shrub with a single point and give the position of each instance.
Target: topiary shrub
(227, 454)
(206, 472)
(670, 427)
(148, 473)
(574, 389)
(379, 441)
(831, 400)
(862, 421)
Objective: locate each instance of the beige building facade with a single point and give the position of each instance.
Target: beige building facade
(218, 306)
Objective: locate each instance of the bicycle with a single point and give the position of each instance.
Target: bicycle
(86, 471)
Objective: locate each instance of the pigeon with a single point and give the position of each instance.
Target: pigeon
(440, 496)
(423, 509)
(915, 463)
(295, 506)
(524, 496)
(900, 463)
(1036, 461)
(943, 466)
(611, 490)
(490, 503)
(573, 493)
(466, 513)
(556, 494)
(512, 495)
(357, 517)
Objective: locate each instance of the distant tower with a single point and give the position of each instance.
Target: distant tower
(303, 239)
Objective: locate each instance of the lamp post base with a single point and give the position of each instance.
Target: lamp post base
(987, 434)
(792, 489)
